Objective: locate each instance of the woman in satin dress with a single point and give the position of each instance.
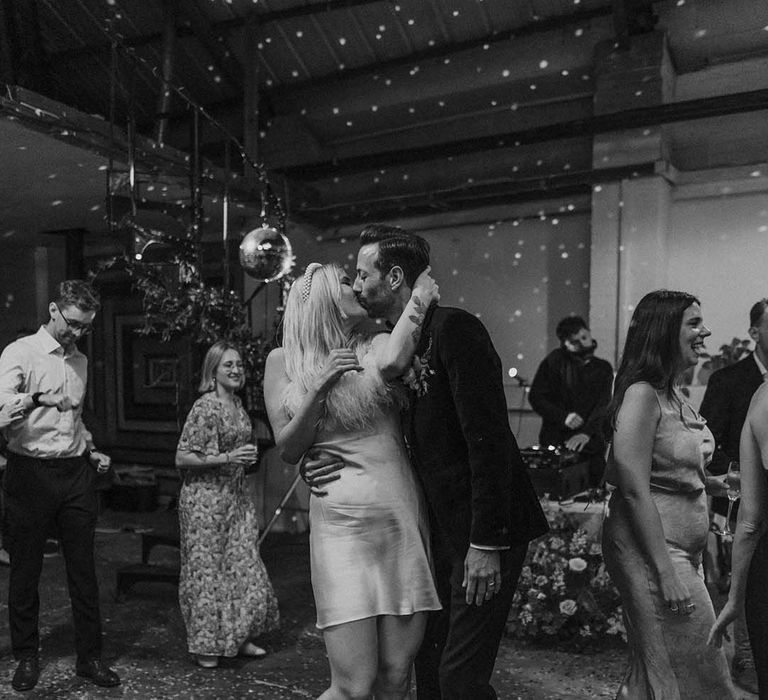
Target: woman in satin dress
(657, 525)
(337, 390)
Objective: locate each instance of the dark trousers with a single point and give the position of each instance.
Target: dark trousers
(457, 655)
(756, 608)
(40, 494)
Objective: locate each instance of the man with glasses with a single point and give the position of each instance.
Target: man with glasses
(49, 481)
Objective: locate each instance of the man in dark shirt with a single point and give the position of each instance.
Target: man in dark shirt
(571, 392)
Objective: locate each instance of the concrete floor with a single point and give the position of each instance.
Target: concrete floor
(145, 644)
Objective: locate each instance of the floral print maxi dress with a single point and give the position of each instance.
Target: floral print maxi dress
(224, 591)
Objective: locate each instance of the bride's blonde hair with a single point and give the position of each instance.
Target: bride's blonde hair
(313, 325)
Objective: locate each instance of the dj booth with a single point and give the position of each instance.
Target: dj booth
(556, 472)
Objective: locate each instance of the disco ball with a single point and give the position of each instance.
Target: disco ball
(266, 254)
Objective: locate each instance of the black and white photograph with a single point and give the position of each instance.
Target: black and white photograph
(384, 349)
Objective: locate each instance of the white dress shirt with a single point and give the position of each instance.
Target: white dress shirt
(38, 363)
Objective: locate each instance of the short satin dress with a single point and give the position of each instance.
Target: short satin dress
(369, 536)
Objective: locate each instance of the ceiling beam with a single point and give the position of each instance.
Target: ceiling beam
(214, 44)
(444, 50)
(66, 124)
(217, 27)
(315, 8)
(629, 119)
(472, 196)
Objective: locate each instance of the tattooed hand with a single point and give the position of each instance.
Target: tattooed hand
(425, 289)
(425, 292)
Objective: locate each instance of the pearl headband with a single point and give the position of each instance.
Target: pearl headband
(307, 283)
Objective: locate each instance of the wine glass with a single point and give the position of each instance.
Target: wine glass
(733, 482)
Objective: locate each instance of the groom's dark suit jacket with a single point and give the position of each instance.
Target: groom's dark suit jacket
(476, 484)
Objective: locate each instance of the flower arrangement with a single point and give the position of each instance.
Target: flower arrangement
(565, 595)
(418, 374)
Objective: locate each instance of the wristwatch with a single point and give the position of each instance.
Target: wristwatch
(36, 398)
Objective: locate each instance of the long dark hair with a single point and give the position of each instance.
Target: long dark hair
(652, 350)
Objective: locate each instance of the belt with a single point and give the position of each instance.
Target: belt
(45, 461)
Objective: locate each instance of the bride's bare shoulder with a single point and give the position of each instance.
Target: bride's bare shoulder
(275, 361)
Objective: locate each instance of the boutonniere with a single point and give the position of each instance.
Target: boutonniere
(418, 374)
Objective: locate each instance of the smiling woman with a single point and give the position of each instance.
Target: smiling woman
(692, 334)
(658, 520)
(224, 591)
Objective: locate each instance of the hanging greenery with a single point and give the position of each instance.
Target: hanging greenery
(176, 301)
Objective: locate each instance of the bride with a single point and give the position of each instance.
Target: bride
(334, 389)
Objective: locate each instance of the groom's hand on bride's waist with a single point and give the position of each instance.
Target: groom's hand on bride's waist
(318, 470)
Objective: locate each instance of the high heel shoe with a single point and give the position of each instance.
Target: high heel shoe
(207, 661)
(250, 649)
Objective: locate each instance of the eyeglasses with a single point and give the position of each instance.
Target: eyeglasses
(82, 328)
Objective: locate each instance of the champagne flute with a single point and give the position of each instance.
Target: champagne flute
(733, 482)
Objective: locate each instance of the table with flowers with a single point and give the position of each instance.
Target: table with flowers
(565, 594)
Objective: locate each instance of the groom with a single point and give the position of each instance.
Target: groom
(483, 509)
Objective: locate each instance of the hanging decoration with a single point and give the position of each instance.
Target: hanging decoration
(183, 304)
(271, 203)
(164, 255)
(266, 254)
